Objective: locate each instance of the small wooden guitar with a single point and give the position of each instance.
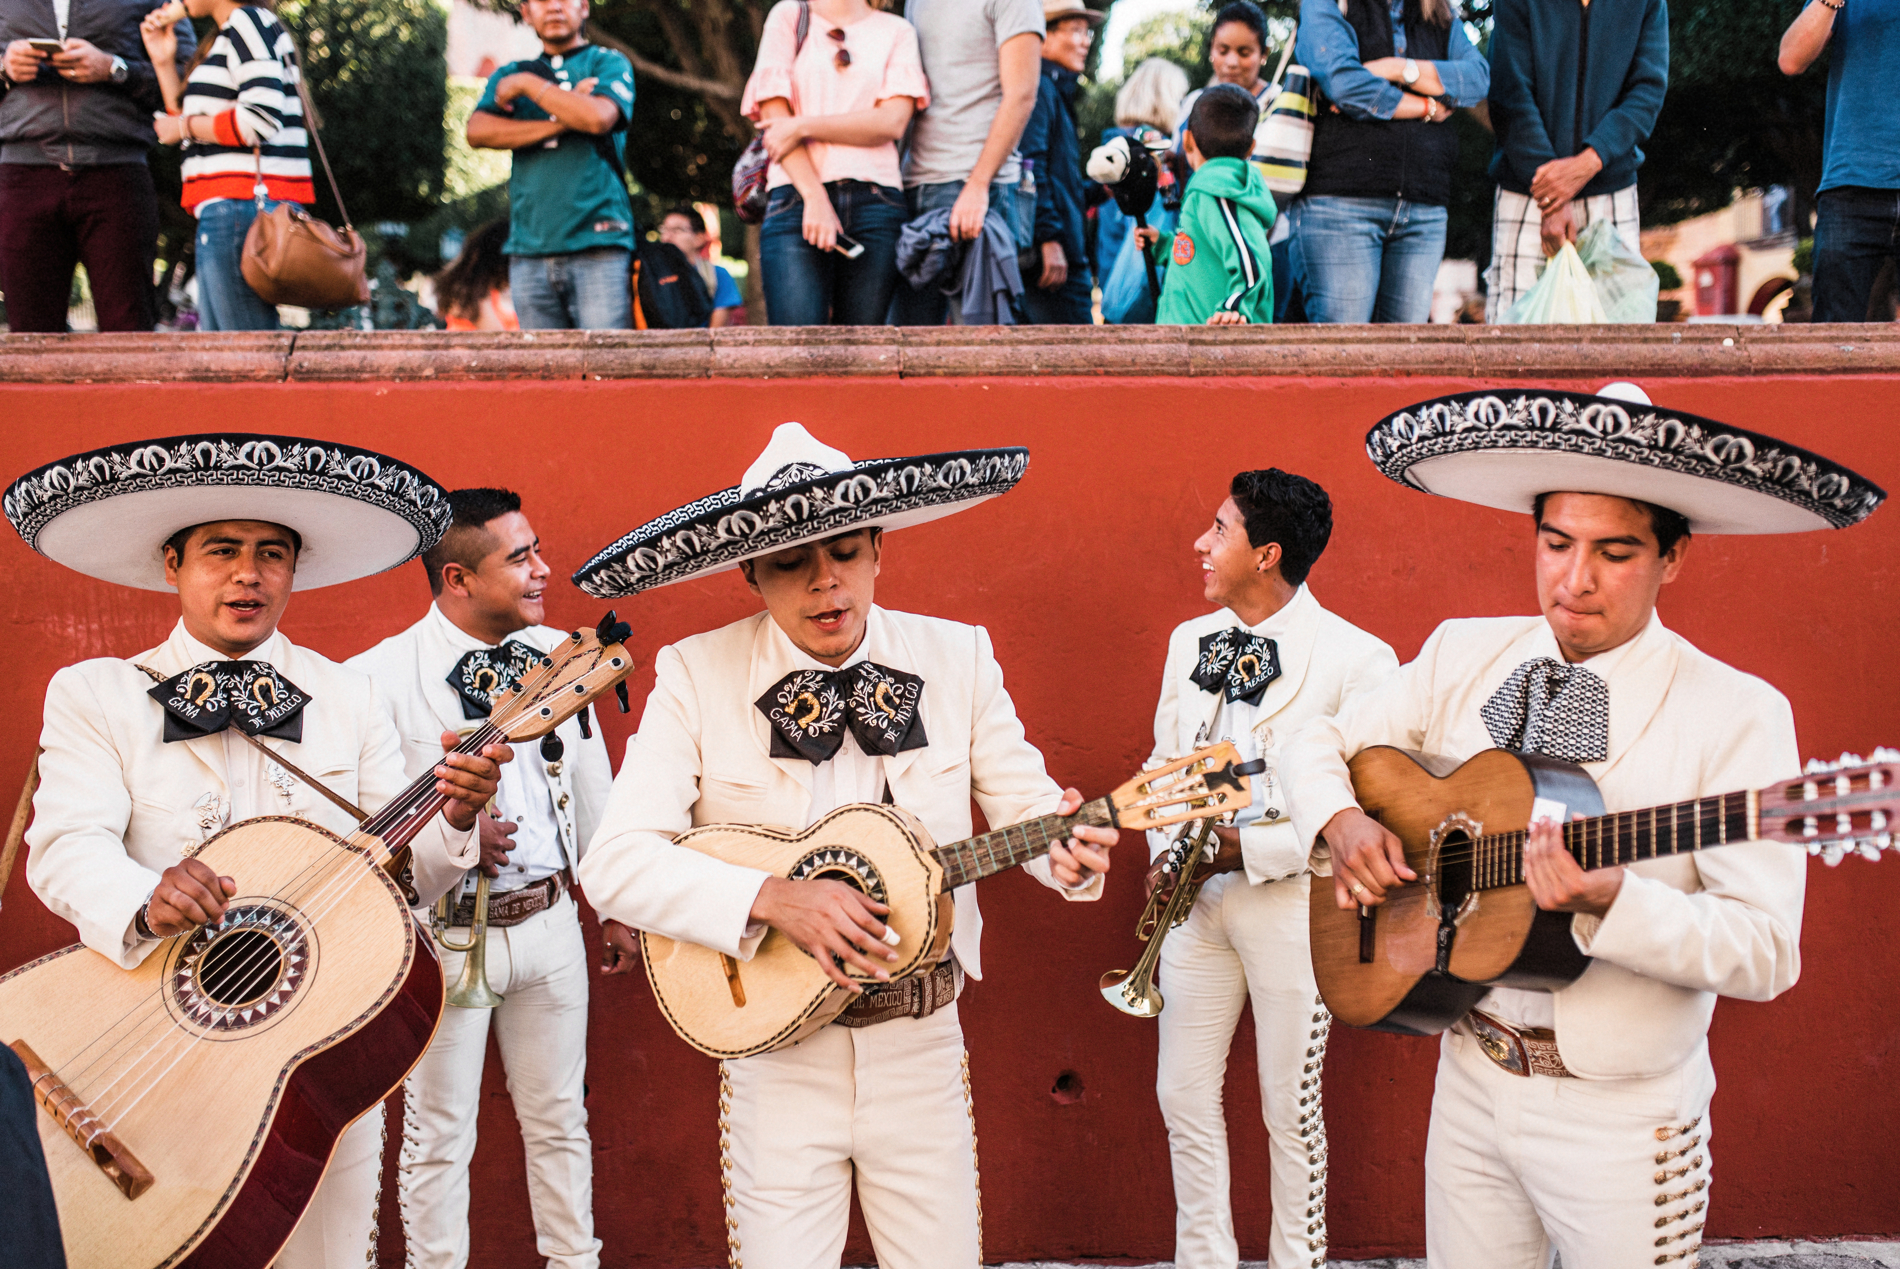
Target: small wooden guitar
(1418, 962)
(781, 996)
(190, 1106)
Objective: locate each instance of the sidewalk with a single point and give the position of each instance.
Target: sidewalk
(1764, 1255)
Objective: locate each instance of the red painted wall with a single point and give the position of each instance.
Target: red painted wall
(1079, 575)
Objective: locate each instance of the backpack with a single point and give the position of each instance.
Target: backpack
(668, 293)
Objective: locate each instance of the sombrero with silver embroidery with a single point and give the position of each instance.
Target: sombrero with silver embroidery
(798, 490)
(108, 512)
(1503, 448)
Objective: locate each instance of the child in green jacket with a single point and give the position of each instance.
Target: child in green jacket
(1220, 272)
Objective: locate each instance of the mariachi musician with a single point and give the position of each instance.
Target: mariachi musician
(882, 1094)
(1579, 1117)
(482, 631)
(129, 786)
(1268, 660)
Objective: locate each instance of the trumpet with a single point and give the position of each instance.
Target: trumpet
(1133, 991)
(471, 990)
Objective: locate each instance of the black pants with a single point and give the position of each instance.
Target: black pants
(52, 218)
(1857, 231)
(31, 1240)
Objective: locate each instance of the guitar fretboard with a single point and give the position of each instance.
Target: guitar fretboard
(1624, 837)
(398, 823)
(978, 857)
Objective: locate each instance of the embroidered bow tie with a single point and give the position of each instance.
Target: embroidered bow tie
(809, 710)
(250, 695)
(1237, 664)
(1547, 707)
(482, 675)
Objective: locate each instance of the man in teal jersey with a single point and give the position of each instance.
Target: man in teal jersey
(564, 114)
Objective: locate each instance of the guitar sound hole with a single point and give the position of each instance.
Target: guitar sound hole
(840, 874)
(1454, 871)
(240, 967)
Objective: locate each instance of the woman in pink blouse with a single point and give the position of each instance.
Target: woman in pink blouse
(832, 114)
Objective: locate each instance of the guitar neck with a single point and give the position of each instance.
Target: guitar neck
(1626, 837)
(978, 857)
(411, 810)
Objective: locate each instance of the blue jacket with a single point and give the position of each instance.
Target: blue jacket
(1565, 76)
(1049, 143)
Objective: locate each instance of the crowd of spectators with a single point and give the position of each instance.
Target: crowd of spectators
(926, 167)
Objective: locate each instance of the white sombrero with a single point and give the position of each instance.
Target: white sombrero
(107, 513)
(798, 490)
(1504, 448)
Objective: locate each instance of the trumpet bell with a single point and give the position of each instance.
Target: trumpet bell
(472, 991)
(1138, 998)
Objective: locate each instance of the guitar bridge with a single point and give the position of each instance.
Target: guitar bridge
(84, 1127)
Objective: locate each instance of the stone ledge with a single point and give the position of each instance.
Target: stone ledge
(1462, 352)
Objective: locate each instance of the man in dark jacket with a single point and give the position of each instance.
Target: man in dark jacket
(1060, 291)
(1575, 90)
(74, 188)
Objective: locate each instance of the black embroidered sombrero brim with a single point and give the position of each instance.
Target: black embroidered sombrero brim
(108, 512)
(1503, 449)
(803, 503)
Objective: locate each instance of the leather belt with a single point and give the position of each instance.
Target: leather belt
(512, 907)
(916, 997)
(1525, 1051)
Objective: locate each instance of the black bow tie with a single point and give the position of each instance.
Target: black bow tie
(485, 673)
(250, 695)
(810, 709)
(1551, 708)
(1237, 664)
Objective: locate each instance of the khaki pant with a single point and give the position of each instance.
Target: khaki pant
(889, 1104)
(1244, 942)
(1611, 1173)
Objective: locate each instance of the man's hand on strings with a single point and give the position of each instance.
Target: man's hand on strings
(189, 894)
(468, 780)
(1367, 859)
(829, 919)
(1558, 882)
(1085, 855)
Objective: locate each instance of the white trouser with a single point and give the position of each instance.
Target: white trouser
(338, 1229)
(890, 1102)
(1612, 1173)
(1243, 941)
(542, 967)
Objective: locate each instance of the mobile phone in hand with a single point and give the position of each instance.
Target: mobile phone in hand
(848, 247)
(48, 47)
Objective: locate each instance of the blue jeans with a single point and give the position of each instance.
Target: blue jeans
(808, 287)
(1071, 304)
(583, 290)
(1366, 259)
(1857, 230)
(930, 306)
(225, 300)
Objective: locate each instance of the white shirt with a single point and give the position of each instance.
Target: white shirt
(851, 775)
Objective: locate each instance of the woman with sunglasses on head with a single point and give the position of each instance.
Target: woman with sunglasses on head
(831, 113)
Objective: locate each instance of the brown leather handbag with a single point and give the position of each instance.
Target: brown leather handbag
(291, 257)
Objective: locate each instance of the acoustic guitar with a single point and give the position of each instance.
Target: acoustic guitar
(780, 996)
(1418, 962)
(190, 1106)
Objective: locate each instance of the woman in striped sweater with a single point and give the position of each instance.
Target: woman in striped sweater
(239, 116)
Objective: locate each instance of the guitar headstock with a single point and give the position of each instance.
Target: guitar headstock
(1208, 782)
(1837, 808)
(565, 680)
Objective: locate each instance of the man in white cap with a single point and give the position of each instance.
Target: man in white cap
(882, 1095)
(481, 633)
(131, 784)
(1579, 1117)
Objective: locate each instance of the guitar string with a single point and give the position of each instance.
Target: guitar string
(342, 879)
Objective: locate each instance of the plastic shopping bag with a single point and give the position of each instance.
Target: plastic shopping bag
(1562, 293)
(1625, 282)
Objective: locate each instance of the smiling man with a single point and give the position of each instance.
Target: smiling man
(483, 630)
(1580, 1117)
(825, 699)
(1267, 661)
(143, 759)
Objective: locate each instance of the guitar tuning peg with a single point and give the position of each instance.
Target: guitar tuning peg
(1869, 851)
(1816, 767)
(1848, 760)
(620, 690)
(1884, 754)
(1832, 854)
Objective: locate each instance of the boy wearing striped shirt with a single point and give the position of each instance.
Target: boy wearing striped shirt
(1220, 272)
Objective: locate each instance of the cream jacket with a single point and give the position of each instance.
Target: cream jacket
(1324, 660)
(117, 805)
(1683, 930)
(702, 757)
(411, 672)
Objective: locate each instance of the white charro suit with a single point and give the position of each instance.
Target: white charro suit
(117, 806)
(1246, 938)
(891, 1099)
(1611, 1167)
(541, 968)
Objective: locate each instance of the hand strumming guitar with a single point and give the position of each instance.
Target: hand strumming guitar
(189, 894)
(827, 919)
(1367, 859)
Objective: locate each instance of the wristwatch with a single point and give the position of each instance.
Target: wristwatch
(120, 71)
(1410, 73)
